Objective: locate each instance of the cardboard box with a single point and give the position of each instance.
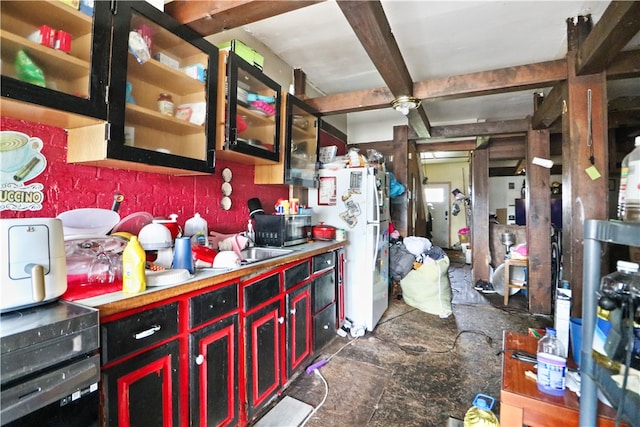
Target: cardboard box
(634, 254)
(501, 215)
(167, 60)
(562, 317)
(73, 3)
(244, 52)
(195, 71)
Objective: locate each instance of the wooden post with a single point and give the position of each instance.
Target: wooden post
(584, 137)
(538, 201)
(400, 204)
(480, 218)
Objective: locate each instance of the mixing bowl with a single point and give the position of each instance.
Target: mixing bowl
(88, 221)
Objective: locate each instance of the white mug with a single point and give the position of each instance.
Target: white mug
(16, 150)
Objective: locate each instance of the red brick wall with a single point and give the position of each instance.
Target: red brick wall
(69, 186)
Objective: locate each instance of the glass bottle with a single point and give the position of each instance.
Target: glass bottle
(165, 104)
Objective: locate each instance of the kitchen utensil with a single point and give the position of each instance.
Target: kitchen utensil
(226, 259)
(182, 255)
(133, 223)
(101, 269)
(117, 199)
(155, 236)
(167, 277)
(323, 232)
(88, 221)
(171, 224)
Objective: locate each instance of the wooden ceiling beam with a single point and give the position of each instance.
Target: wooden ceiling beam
(370, 24)
(551, 108)
(619, 23)
(459, 145)
(501, 80)
(625, 66)
(507, 149)
(215, 16)
(491, 128)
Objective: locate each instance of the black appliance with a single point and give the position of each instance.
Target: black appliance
(50, 366)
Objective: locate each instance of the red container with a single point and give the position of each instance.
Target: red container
(323, 232)
(63, 41)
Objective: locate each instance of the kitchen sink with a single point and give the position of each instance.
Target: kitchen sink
(256, 254)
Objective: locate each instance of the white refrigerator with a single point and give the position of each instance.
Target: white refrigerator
(357, 200)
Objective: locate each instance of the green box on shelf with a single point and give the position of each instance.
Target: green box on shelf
(244, 52)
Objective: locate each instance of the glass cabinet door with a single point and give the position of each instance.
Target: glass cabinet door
(252, 124)
(162, 103)
(56, 55)
(301, 157)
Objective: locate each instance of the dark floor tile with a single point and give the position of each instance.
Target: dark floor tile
(416, 369)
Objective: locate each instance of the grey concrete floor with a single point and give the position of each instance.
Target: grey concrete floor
(416, 369)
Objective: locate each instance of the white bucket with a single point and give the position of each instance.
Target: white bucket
(467, 256)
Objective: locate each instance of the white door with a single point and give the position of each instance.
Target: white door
(437, 195)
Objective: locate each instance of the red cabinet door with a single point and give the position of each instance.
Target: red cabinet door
(144, 390)
(262, 355)
(298, 329)
(214, 374)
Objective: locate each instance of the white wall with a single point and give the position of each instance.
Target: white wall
(458, 175)
(501, 196)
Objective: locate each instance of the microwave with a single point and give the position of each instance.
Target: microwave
(282, 230)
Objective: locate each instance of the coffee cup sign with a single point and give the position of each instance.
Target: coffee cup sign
(17, 150)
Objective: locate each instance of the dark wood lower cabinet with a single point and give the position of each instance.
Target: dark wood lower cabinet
(213, 374)
(144, 390)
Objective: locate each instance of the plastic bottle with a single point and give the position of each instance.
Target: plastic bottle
(551, 365)
(632, 192)
(480, 413)
(251, 235)
(133, 266)
(624, 174)
(620, 281)
(196, 228)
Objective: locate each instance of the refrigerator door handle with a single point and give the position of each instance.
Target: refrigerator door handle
(376, 203)
(377, 245)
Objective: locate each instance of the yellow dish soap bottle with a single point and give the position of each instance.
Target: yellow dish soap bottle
(133, 266)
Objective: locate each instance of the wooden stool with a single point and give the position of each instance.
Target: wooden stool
(508, 282)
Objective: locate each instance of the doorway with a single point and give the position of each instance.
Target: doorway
(436, 195)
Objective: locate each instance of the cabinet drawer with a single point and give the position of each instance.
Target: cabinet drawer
(138, 331)
(210, 305)
(322, 261)
(324, 327)
(324, 291)
(296, 274)
(261, 291)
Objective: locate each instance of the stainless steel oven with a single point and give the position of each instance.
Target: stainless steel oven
(49, 366)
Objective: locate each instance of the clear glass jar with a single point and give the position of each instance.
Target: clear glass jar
(165, 104)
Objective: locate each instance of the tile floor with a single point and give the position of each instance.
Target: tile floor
(416, 369)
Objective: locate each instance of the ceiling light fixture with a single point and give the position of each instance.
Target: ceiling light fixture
(405, 103)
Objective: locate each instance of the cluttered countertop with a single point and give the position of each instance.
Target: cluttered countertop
(116, 301)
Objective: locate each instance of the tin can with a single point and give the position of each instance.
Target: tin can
(294, 205)
(341, 235)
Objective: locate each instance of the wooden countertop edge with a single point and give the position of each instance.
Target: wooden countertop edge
(128, 303)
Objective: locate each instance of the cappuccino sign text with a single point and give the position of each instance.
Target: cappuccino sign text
(21, 160)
